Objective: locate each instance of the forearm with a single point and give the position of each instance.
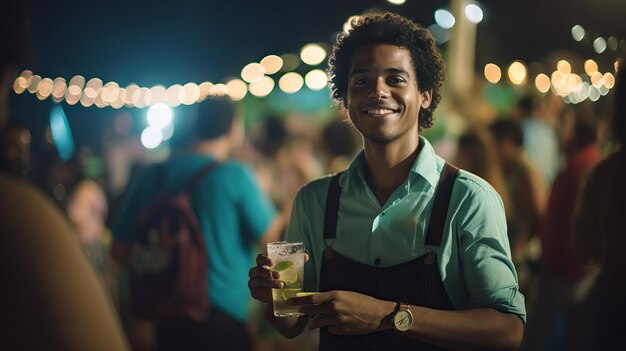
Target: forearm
(475, 329)
(289, 327)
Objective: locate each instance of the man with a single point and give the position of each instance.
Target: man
(234, 217)
(457, 292)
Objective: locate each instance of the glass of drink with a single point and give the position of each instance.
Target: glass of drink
(288, 260)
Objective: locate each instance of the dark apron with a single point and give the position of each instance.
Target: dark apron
(415, 282)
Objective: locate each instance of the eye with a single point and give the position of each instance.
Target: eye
(396, 80)
(359, 81)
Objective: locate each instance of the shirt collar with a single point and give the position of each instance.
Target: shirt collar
(425, 164)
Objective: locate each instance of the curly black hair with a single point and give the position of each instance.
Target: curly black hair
(389, 28)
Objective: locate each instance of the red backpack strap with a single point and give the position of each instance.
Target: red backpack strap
(197, 178)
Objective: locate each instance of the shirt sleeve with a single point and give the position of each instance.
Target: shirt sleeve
(256, 209)
(485, 256)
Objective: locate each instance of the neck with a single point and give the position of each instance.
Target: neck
(218, 148)
(388, 165)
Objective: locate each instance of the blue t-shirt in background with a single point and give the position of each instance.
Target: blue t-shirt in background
(233, 212)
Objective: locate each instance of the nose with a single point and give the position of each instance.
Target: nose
(379, 90)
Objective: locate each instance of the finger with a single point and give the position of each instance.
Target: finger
(261, 294)
(306, 257)
(264, 260)
(324, 320)
(312, 299)
(265, 283)
(260, 272)
(322, 309)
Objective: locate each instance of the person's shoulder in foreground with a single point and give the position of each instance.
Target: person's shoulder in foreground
(54, 298)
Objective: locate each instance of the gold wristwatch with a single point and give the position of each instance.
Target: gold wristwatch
(402, 319)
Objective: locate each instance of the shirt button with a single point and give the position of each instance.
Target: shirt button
(381, 214)
(381, 279)
(377, 261)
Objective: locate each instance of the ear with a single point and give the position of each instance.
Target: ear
(427, 97)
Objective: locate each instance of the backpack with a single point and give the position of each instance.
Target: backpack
(168, 258)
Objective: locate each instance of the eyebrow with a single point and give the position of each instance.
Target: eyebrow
(388, 70)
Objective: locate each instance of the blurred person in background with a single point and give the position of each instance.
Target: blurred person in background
(52, 297)
(15, 152)
(541, 143)
(234, 215)
(563, 279)
(383, 279)
(526, 194)
(598, 323)
(339, 145)
(87, 208)
(476, 153)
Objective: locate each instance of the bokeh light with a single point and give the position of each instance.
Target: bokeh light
(290, 82)
(609, 80)
(517, 73)
(591, 67)
(578, 32)
(564, 67)
(151, 137)
(45, 89)
(444, 18)
(599, 45)
(237, 89)
(219, 90)
(312, 54)
(272, 64)
(34, 83)
(189, 94)
(252, 72)
(262, 88)
(542, 82)
(159, 115)
(173, 93)
(58, 89)
(316, 79)
(493, 74)
(597, 79)
(159, 94)
(474, 13)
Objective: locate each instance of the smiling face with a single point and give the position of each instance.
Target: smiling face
(383, 97)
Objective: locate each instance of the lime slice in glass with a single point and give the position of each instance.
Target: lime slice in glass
(282, 265)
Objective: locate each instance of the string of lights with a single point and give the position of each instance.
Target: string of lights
(257, 77)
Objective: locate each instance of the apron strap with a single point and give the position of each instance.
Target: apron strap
(440, 206)
(332, 208)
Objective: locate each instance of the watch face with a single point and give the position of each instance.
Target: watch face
(403, 320)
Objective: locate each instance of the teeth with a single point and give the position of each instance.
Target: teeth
(379, 111)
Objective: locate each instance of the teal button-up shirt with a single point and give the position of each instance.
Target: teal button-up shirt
(474, 256)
